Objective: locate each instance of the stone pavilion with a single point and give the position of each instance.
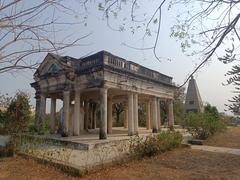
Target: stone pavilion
(97, 82)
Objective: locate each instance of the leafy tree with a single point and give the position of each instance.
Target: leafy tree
(142, 114)
(234, 103)
(18, 114)
(208, 27)
(178, 105)
(203, 124)
(212, 110)
(211, 26)
(5, 101)
(163, 112)
(118, 108)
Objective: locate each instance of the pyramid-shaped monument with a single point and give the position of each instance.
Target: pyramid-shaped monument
(193, 101)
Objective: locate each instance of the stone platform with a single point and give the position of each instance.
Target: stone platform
(85, 151)
(91, 139)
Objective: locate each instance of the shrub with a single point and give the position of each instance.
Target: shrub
(18, 113)
(151, 145)
(3, 118)
(203, 125)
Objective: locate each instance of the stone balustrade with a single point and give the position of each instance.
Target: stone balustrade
(122, 64)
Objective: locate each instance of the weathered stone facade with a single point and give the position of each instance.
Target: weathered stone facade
(98, 81)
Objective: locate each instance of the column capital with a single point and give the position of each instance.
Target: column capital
(77, 90)
(42, 95)
(66, 92)
(103, 90)
(110, 97)
(130, 93)
(135, 94)
(153, 98)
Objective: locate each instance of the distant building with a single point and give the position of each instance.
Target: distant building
(193, 102)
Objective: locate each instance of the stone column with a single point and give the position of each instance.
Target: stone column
(86, 114)
(170, 113)
(38, 113)
(90, 115)
(151, 113)
(103, 114)
(158, 113)
(53, 115)
(154, 115)
(77, 113)
(109, 116)
(148, 115)
(94, 115)
(71, 118)
(130, 115)
(125, 122)
(43, 106)
(135, 113)
(82, 115)
(66, 111)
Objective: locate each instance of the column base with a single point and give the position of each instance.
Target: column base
(102, 135)
(76, 134)
(154, 130)
(109, 132)
(131, 133)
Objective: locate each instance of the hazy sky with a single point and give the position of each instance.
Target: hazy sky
(209, 78)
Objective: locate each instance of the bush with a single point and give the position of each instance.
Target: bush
(151, 145)
(3, 118)
(17, 115)
(203, 125)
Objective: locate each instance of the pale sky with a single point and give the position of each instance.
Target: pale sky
(209, 78)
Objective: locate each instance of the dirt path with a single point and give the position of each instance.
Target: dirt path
(229, 138)
(177, 164)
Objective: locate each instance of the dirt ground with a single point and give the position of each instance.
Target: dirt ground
(178, 164)
(181, 163)
(229, 138)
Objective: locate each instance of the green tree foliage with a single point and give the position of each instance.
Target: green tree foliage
(234, 79)
(204, 124)
(151, 145)
(5, 100)
(178, 105)
(118, 108)
(17, 116)
(142, 115)
(212, 110)
(163, 112)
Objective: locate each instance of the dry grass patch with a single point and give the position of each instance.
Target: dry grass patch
(228, 138)
(177, 164)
